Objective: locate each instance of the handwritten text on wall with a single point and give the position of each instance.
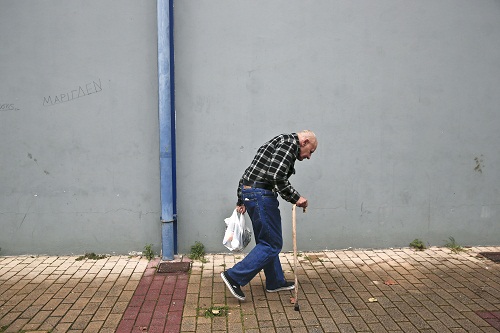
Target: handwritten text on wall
(79, 92)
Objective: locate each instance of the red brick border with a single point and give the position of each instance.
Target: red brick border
(491, 317)
(157, 304)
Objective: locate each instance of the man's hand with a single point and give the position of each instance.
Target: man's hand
(241, 209)
(302, 202)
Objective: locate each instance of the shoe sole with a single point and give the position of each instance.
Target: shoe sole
(280, 289)
(228, 285)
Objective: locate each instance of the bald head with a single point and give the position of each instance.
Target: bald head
(308, 144)
(307, 134)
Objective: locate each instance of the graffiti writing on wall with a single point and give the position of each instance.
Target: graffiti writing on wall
(8, 107)
(84, 90)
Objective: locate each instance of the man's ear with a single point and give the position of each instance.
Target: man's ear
(304, 142)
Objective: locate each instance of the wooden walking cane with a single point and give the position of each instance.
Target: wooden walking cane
(294, 236)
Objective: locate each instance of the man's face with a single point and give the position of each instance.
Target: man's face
(306, 149)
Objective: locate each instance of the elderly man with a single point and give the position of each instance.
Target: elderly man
(258, 195)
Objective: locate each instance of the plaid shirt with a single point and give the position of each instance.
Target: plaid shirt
(274, 164)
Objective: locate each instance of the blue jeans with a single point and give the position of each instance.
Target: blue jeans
(263, 208)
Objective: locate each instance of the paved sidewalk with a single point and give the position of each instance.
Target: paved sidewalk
(62, 294)
(392, 290)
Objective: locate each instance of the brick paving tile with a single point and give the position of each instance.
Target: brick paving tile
(112, 321)
(49, 323)
(81, 322)
(16, 326)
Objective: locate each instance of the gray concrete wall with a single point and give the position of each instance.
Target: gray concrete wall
(403, 95)
(79, 168)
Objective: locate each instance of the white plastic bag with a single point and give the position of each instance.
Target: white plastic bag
(237, 235)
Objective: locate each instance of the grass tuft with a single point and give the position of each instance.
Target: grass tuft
(453, 246)
(198, 252)
(148, 252)
(417, 244)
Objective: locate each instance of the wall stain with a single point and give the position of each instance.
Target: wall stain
(30, 156)
(479, 164)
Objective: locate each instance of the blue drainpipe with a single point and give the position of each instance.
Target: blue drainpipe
(167, 128)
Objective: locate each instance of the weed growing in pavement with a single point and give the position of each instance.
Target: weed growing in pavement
(453, 246)
(198, 252)
(417, 244)
(148, 252)
(216, 311)
(314, 258)
(92, 256)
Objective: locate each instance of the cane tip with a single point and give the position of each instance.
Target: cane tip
(297, 308)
